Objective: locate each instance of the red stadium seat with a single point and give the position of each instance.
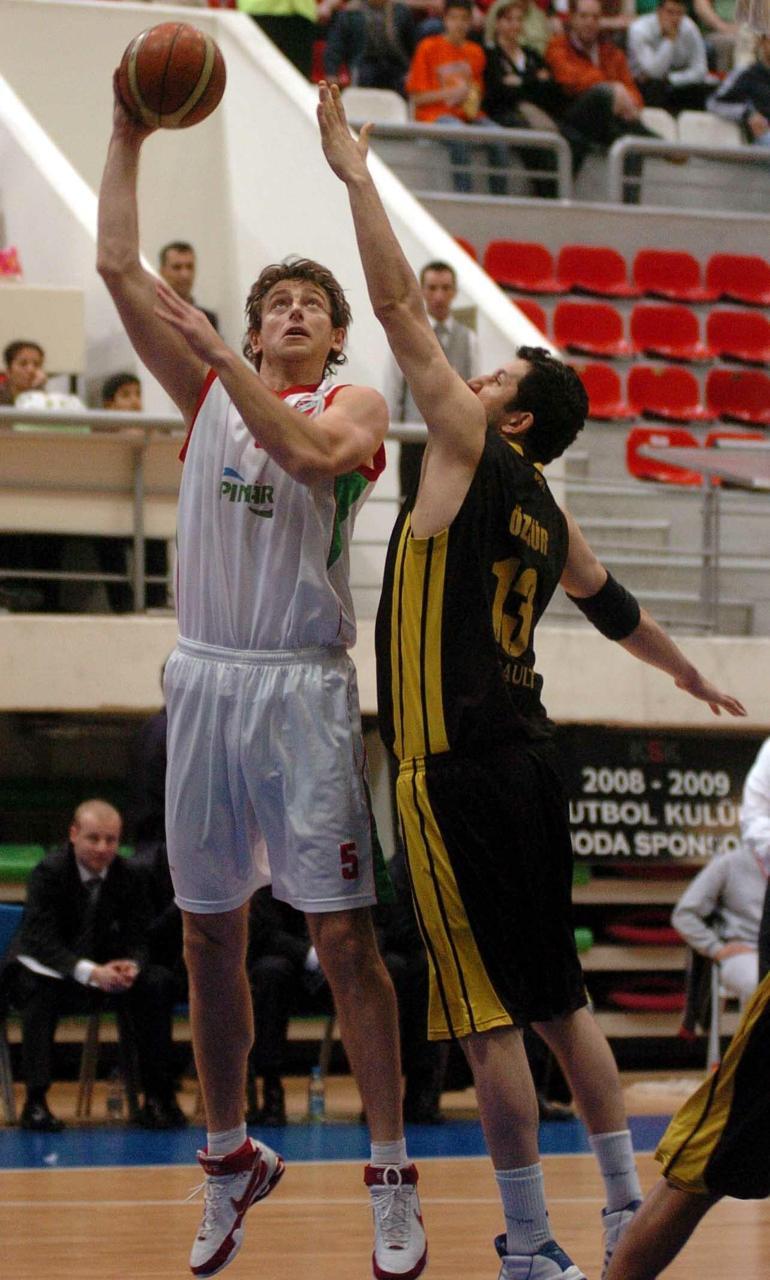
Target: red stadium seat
(670, 393)
(669, 273)
(739, 335)
(670, 332)
(605, 394)
(595, 327)
(739, 396)
(468, 247)
(586, 268)
(518, 265)
(739, 277)
(533, 311)
(644, 468)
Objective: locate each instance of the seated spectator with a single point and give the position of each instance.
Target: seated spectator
(82, 945)
(536, 30)
(446, 85)
(520, 90)
(122, 392)
(24, 370)
(718, 916)
(177, 266)
(375, 39)
(284, 972)
(667, 56)
(744, 97)
(716, 19)
(604, 101)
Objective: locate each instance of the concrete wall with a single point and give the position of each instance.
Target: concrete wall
(112, 664)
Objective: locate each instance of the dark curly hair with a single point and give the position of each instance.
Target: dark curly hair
(297, 269)
(553, 393)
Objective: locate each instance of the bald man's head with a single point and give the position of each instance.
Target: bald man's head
(95, 835)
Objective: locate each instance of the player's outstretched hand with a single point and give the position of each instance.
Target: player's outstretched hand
(201, 336)
(695, 685)
(122, 120)
(346, 155)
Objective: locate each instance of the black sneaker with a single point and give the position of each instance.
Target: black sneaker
(37, 1117)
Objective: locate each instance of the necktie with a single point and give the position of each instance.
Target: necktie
(442, 333)
(84, 943)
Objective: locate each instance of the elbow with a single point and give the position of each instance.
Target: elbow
(399, 309)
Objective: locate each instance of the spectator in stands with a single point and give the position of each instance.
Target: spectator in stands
(439, 290)
(718, 916)
(177, 266)
(290, 24)
(716, 19)
(744, 97)
(122, 392)
(82, 945)
(284, 976)
(536, 31)
(446, 86)
(755, 829)
(24, 363)
(375, 39)
(604, 101)
(667, 56)
(520, 89)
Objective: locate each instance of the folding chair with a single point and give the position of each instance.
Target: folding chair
(671, 332)
(669, 393)
(741, 277)
(670, 273)
(594, 327)
(739, 335)
(597, 269)
(517, 264)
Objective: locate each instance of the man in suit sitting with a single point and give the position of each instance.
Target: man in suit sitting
(83, 943)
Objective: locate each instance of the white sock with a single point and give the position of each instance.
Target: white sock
(615, 1154)
(226, 1141)
(389, 1153)
(526, 1217)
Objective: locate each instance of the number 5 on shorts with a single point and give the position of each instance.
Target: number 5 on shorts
(349, 860)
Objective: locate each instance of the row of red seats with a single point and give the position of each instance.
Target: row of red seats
(643, 467)
(674, 394)
(656, 329)
(601, 270)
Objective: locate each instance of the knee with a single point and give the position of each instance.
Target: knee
(346, 948)
(213, 943)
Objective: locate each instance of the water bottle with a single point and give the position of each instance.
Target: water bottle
(116, 1097)
(316, 1097)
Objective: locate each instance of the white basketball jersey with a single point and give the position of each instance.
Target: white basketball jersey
(263, 561)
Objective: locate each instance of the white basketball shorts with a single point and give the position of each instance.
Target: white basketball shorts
(266, 780)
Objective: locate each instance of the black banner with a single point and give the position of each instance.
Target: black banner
(667, 796)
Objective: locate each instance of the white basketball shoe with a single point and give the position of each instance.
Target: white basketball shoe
(549, 1263)
(614, 1224)
(233, 1184)
(400, 1246)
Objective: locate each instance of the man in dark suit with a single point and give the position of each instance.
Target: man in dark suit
(83, 943)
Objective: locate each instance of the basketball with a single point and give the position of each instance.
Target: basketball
(171, 76)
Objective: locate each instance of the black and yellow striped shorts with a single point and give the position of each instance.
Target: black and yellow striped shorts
(718, 1143)
(490, 862)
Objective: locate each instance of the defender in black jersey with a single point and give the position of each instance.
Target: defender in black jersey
(471, 567)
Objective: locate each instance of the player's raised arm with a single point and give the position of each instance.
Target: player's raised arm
(160, 349)
(618, 616)
(455, 419)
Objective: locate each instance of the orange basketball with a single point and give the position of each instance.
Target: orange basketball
(171, 76)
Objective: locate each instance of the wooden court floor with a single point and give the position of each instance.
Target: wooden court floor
(121, 1223)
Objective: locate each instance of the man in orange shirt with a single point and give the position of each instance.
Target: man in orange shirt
(446, 84)
(594, 74)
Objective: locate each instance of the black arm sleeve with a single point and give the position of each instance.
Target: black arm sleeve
(613, 610)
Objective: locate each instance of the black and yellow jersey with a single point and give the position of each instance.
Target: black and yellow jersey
(456, 622)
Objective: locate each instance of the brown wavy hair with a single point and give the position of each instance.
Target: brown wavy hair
(297, 269)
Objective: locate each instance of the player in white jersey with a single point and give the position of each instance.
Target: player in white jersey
(264, 749)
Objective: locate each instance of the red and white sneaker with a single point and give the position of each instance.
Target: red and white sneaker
(233, 1184)
(400, 1247)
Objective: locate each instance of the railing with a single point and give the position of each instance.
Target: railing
(412, 168)
(619, 182)
(136, 431)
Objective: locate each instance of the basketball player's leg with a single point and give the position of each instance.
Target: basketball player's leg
(220, 1011)
(365, 1002)
(657, 1232)
(505, 1095)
